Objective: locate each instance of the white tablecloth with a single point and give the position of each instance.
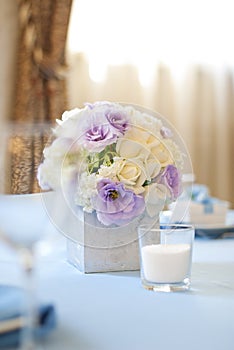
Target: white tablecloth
(111, 311)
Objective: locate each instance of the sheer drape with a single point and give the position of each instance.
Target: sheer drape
(199, 102)
(175, 57)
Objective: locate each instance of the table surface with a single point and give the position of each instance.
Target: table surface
(111, 311)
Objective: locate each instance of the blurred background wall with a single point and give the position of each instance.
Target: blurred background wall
(173, 57)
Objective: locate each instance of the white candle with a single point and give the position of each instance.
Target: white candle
(164, 263)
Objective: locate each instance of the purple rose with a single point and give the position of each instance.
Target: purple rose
(171, 178)
(97, 133)
(118, 120)
(116, 205)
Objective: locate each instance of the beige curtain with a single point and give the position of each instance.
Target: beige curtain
(40, 87)
(199, 103)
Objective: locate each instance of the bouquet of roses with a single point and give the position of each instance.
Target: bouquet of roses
(120, 162)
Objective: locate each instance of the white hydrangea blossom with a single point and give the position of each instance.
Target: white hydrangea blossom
(175, 152)
(145, 121)
(109, 172)
(87, 188)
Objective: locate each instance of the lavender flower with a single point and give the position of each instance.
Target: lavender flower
(116, 205)
(97, 133)
(118, 120)
(103, 125)
(98, 137)
(171, 178)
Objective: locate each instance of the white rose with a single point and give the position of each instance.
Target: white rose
(52, 175)
(155, 198)
(58, 148)
(49, 172)
(61, 162)
(48, 175)
(69, 126)
(152, 167)
(72, 114)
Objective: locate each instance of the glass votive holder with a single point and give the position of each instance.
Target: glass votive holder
(166, 256)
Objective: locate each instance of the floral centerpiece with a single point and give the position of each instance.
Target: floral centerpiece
(124, 161)
(116, 161)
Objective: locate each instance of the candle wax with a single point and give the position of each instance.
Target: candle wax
(166, 263)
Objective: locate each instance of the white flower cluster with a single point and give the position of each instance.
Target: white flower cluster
(87, 189)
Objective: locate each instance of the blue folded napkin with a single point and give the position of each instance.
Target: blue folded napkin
(200, 194)
(10, 312)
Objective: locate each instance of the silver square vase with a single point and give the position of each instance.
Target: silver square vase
(91, 246)
(101, 249)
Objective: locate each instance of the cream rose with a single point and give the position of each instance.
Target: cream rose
(131, 173)
(133, 144)
(161, 153)
(141, 144)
